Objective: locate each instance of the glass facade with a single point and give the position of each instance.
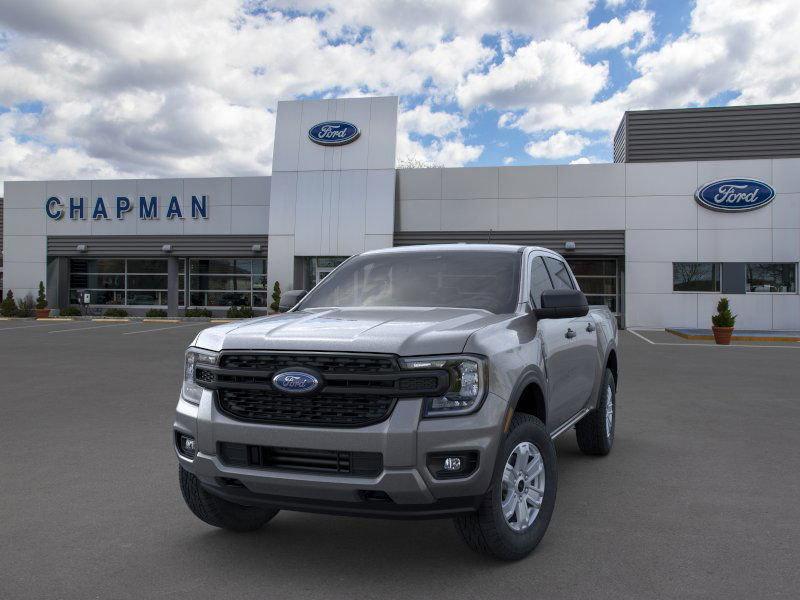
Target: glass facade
(122, 282)
(228, 282)
(696, 277)
(212, 282)
(598, 279)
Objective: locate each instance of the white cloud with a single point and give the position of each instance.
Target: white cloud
(509, 160)
(581, 161)
(539, 72)
(423, 120)
(616, 32)
(559, 145)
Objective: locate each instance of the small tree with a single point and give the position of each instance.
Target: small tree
(41, 299)
(25, 306)
(724, 316)
(276, 297)
(8, 308)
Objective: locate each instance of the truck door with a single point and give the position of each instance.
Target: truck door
(553, 334)
(576, 356)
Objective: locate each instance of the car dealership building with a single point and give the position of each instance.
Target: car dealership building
(699, 203)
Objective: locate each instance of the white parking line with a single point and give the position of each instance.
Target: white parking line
(689, 345)
(88, 328)
(160, 329)
(30, 326)
(640, 336)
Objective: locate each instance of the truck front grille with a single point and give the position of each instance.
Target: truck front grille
(324, 363)
(331, 410)
(355, 389)
(357, 464)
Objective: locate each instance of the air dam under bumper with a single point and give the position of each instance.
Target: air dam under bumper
(404, 488)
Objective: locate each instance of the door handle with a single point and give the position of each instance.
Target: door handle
(590, 327)
(570, 334)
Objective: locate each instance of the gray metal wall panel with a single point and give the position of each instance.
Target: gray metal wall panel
(588, 243)
(724, 133)
(1, 232)
(734, 278)
(150, 245)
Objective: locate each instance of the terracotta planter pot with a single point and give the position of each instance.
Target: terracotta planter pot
(722, 335)
(42, 313)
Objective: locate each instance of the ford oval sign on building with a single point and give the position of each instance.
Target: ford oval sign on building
(295, 382)
(735, 195)
(333, 133)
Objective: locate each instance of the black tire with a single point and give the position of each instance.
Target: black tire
(593, 438)
(487, 531)
(218, 512)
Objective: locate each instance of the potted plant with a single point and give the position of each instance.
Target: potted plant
(723, 322)
(42, 312)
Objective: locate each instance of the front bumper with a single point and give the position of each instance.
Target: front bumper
(405, 487)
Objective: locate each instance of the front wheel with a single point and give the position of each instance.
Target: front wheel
(516, 509)
(217, 511)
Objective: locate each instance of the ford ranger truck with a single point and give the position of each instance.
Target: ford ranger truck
(414, 382)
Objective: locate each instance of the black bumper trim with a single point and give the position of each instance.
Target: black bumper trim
(440, 509)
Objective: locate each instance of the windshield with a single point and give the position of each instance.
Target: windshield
(455, 279)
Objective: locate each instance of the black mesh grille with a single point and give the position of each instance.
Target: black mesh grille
(364, 464)
(325, 363)
(337, 410)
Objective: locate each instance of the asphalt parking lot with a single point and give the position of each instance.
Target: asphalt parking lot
(698, 499)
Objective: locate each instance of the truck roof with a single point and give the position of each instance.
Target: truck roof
(458, 248)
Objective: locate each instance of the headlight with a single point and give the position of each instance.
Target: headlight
(467, 383)
(194, 356)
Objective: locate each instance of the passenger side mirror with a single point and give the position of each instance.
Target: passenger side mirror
(562, 304)
(290, 298)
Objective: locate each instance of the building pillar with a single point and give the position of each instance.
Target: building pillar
(60, 297)
(172, 286)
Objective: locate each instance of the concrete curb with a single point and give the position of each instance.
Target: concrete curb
(737, 338)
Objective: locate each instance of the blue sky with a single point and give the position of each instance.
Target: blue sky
(161, 88)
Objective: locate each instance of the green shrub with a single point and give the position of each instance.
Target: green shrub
(25, 307)
(276, 298)
(240, 312)
(724, 316)
(197, 312)
(8, 308)
(71, 311)
(156, 312)
(115, 312)
(41, 299)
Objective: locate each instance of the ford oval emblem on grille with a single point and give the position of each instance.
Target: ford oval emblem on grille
(295, 382)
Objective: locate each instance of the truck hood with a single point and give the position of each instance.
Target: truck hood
(402, 331)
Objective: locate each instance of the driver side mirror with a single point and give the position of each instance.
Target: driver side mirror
(562, 304)
(290, 298)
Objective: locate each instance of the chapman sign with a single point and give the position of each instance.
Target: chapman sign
(735, 195)
(333, 133)
(147, 208)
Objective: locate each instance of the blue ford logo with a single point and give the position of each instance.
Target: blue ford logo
(735, 195)
(295, 382)
(333, 133)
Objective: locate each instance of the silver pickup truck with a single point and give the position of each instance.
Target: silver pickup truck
(417, 382)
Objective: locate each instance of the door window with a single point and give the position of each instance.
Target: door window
(559, 274)
(540, 280)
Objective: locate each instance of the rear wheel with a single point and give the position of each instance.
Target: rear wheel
(516, 509)
(218, 512)
(595, 431)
